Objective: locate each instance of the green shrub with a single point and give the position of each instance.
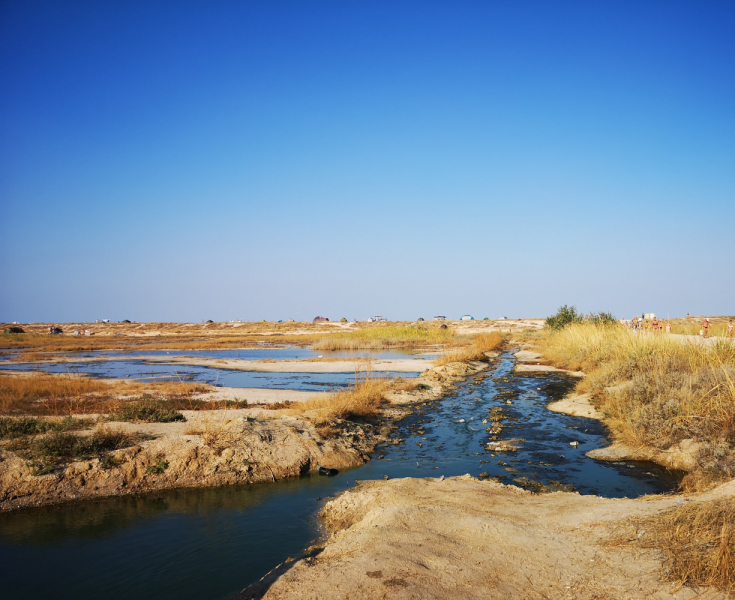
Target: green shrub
(23, 426)
(158, 468)
(566, 315)
(147, 410)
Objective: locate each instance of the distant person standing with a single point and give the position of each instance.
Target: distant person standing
(668, 327)
(729, 329)
(654, 325)
(705, 327)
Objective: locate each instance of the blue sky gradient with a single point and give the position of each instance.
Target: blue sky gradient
(264, 160)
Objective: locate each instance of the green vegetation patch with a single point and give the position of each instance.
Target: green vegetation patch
(45, 453)
(147, 410)
(25, 426)
(568, 315)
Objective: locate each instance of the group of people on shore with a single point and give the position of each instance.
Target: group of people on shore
(657, 326)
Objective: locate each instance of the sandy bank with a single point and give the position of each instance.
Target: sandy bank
(577, 406)
(213, 448)
(461, 538)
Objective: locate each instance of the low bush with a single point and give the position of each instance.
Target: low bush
(147, 410)
(24, 426)
(158, 467)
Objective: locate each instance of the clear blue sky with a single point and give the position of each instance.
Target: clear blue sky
(266, 160)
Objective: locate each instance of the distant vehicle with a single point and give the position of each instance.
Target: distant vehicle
(467, 318)
(320, 320)
(440, 318)
(376, 318)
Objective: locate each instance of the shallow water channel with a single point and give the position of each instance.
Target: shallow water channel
(209, 544)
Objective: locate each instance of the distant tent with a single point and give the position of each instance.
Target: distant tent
(421, 318)
(443, 326)
(320, 320)
(486, 319)
(125, 321)
(209, 321)
(14, 330)
(467, 318)
(343, 320)
(56, 331)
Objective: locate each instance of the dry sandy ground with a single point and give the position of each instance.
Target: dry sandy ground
(461, 538)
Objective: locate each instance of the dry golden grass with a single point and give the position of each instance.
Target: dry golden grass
(18, 392)
(697, 541)
(656, 391)
(380, 335)
(481, 343)
(62, 394)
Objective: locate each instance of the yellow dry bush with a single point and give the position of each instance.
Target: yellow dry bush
(481, 343)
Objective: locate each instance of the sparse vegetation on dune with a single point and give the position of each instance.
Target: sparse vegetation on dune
(656, 391)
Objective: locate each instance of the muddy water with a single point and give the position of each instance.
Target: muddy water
(208, 544)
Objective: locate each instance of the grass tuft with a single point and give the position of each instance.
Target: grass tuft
(481, 343)
(147, 410)
(697, 541)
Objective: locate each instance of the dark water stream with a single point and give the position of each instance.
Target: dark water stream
(208, 544)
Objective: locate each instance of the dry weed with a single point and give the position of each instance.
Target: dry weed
(476, 351)
(697, 541)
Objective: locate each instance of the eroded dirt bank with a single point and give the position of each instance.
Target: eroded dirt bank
(461, 538)
(215, 448)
